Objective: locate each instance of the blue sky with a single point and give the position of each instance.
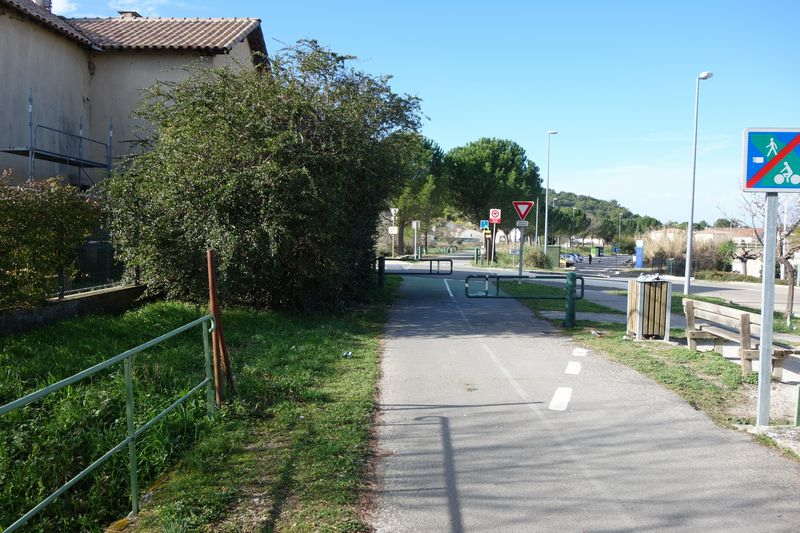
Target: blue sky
(616, 78)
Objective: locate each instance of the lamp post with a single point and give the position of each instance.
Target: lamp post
(547, 190)
(690, 227)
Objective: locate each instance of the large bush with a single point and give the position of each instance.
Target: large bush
(284, 172)
(42, 224)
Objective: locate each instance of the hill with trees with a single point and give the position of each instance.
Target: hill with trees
(602, 218)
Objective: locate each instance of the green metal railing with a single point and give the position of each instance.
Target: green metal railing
(571, 292)
(132, 431)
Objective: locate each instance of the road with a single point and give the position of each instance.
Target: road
(492, 421)
(741, 293)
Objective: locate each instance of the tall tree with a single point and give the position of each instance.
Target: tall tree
(285, 173)
(421, 195)
(490, 173)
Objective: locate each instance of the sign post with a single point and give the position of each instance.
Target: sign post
(494, 219)
(523, 208)
(771, 165)
(394, 211)
(415, 225)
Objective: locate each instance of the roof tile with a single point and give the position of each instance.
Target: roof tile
(43, 16)
(212, 34)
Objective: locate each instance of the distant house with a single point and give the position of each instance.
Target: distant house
(741, 237)
(66, 80)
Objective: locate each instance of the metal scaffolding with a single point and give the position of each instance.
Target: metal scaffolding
(81, 157)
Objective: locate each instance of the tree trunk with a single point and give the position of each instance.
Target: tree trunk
(401, 241)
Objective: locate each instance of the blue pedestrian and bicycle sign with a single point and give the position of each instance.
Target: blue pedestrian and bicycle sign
(484, 224)
(772, 160)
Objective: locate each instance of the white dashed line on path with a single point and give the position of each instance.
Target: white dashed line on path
(580, 352)
(561, 399)
(447, 286)
(573, 367)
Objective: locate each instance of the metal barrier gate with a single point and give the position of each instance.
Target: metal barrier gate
(487, 278)
(438, 271)
(570, 287)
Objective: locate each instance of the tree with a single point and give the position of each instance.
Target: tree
(421, 196)
(42, 225)
(787, 244)
(490, 173)
(727, 223)
(568, 222)
(283, 172)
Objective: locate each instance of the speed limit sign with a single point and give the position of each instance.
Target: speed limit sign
(494, 216)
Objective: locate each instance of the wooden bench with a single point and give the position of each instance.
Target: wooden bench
(741, 327)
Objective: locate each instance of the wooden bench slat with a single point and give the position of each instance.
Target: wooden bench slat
(734, 323)
(724, 333)
(728, 312)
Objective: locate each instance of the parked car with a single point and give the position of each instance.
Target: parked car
(568, 259)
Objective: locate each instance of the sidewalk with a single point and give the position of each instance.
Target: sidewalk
(490, 420)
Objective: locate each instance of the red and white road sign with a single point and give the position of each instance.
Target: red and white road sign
(494, 216)
(523, 208)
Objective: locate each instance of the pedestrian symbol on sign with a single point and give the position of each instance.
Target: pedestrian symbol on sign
(773, 148)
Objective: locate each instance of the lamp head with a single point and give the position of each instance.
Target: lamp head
(704, 75)
(552, 132)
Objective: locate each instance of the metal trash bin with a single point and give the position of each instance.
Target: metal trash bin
(649, 307)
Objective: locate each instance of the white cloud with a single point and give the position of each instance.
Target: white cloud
(64, 7)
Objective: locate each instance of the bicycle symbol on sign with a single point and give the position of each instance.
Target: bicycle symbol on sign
(787, 174)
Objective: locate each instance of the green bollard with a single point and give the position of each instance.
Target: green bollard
(569, 318)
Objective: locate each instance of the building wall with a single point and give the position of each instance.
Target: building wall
(120, 82)
(122, 79)
(240, 55)
(57, 70)
(73, 84)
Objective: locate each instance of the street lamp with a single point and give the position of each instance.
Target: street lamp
(690, 228)
(547, 190)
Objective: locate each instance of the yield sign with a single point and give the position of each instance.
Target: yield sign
(523, 207)
(772, 160)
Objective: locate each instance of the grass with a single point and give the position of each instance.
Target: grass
(717, 275)
(295, 439)
(539, 289)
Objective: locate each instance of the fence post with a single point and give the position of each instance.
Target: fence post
(381, 270)
(132, 462)
(212, 406)
(569, 318)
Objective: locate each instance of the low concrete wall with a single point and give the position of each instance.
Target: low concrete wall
(114, 300)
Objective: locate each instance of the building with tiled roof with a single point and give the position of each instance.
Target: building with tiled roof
(83, 74)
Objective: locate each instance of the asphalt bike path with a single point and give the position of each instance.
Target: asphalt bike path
(490, 420)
